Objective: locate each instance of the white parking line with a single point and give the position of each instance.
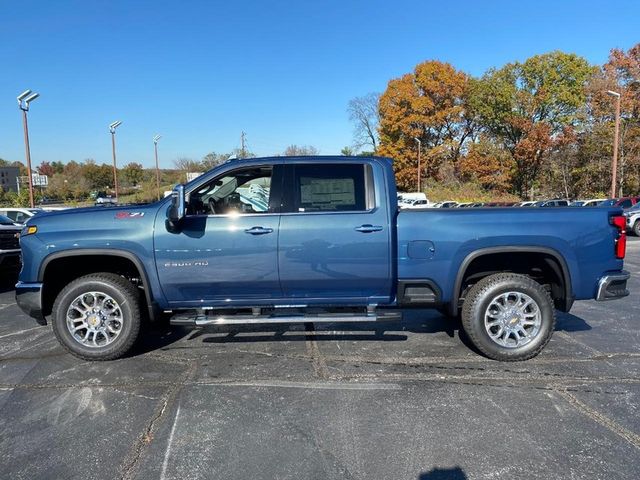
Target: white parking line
(165, 463)
(22, 331)
(312, 385)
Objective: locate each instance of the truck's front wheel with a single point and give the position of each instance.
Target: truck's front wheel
(508, 317)
(97, 317)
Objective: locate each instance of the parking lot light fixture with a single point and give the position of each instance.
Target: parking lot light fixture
(24, 99)
(419, 173)
(112, 129)
(155, 148)
(614, 160)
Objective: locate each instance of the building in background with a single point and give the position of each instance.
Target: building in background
(9, 178)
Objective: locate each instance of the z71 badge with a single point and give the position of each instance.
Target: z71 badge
(125, 215)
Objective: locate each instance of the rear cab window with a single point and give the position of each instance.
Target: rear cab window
(331, 187)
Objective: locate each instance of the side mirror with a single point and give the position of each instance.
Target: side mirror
(177, 210)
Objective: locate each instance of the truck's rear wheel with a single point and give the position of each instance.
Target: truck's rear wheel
(508, 317)
(97, 317)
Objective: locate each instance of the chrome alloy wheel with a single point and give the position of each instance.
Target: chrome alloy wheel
(512, 319)
(94, 319)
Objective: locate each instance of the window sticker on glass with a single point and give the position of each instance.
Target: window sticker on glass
(326, 193)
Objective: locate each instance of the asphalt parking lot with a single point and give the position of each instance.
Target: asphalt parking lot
(383, 401)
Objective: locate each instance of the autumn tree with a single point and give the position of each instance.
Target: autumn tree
(621, 74)
(45, 168)
(526, 105)
(488, 164)
(427, 105)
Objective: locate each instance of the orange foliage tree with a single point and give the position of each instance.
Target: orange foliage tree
(427, 105)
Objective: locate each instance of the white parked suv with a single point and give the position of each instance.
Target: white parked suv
(633, 219)
(20, 215)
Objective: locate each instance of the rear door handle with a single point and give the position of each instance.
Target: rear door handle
(369, 228)
(258, 230)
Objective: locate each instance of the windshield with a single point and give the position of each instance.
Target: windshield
(635, 207)
(5, 220)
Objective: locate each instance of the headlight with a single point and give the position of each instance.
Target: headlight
(29, 230)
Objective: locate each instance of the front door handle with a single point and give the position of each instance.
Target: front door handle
(258, 230)
(369, 228)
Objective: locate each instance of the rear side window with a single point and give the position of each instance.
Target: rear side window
(626, 203)
(331, 188)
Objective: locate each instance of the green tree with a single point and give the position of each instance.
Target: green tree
(213, 159)
(133, 173)
(347, 152)
(526, 105)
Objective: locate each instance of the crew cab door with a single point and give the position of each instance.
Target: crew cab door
(224, 251)
(335, 240)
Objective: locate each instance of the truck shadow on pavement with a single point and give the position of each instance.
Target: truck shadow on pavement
(8, 280)
(420, 322)
(414, 322)
(455, 473)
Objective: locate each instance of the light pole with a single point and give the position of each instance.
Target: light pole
(419, 151)
(155, 148)
(112, 129)
(24, 99)
(614, 160)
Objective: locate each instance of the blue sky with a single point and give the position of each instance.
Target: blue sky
(201, 72)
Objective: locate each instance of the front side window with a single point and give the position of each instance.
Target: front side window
(331, 188)
(245, 191)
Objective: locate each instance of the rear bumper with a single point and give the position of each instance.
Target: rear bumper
(613, 286)
(29, 299)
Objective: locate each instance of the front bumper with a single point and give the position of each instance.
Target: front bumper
(9, 258)
(29, 299)
(613, 286)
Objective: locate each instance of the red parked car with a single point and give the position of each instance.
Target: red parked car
(623, 202)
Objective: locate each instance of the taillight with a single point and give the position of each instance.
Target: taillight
(621, 242)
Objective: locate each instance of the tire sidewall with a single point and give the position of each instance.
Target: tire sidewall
(484, 300)
(130, 324)
(636, 228)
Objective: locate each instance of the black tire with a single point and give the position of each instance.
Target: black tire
(477, 302)
(128, 299)
(636, 228)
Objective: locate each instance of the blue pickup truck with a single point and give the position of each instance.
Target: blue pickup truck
(313, 239)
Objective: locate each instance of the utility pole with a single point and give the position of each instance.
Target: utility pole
(614, 160)
(243, 150)
(24, 99)
(155, 147)
(112, 129)
(419, 172)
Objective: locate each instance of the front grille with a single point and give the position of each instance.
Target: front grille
(8, 241)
